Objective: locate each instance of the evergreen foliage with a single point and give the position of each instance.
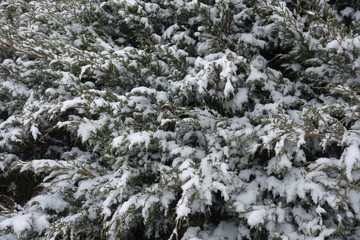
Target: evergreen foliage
(179, 119)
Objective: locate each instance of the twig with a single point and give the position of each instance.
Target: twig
(321, 135)
(18, 50)
(310, 134)
(83, 107)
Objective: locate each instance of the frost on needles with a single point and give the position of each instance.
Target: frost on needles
(179, 119)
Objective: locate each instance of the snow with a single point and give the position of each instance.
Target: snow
(126, 205)
(222, 188)
(311, 13)
(139, 138)
(83, 70)
(255, 74)
(357, 15)
(185, 119)
(166, 198)
(15, 90)
(225, 229)
(355, 201)
(256, 217)
(241, 96)
(229, 89)
(191, 233)
(185, 151)
(76, 102)
(245, 199)
(182, 210)
(22, 222)
(284, 162)
(325, 233)
(150, 201)
(333, 44)
(250, 39)
(117, 141)
(51, 201)
(18, 223)
(34, 131)
(169, 31)
(87, 127)
(162, 97)
(85, 186)
(351, 158)
(348, 11)
(9, 237)
(320, 210)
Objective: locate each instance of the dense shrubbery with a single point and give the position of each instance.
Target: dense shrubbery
(223, 119)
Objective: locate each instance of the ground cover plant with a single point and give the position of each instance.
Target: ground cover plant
(182, 119)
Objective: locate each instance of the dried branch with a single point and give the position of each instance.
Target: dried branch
(322, 135)
(83, 107)
(18, 50)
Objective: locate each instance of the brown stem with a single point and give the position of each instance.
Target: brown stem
(321, 135)
(313, 134)
(18, 50)
(82, 107)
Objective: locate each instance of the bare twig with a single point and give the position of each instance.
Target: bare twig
(18, 50)
(83, 107)
(310, 134)
(321, 135)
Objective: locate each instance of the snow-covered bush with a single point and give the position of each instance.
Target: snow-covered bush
(179, 119)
